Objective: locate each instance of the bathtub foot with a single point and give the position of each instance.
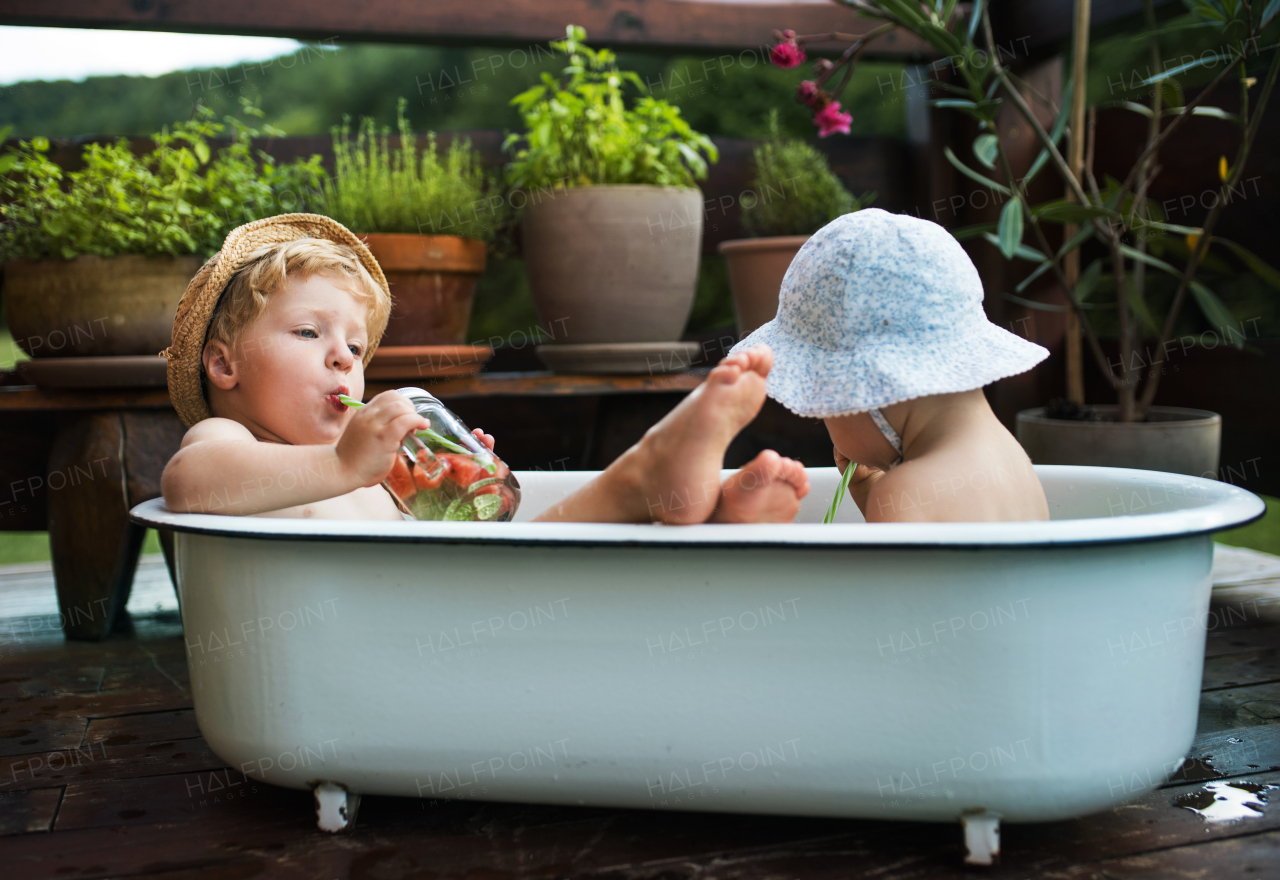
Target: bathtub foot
(335, 807)
(981, 837)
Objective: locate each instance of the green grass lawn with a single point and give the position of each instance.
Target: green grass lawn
(19, 547)
(1264, 535)
(10, 354)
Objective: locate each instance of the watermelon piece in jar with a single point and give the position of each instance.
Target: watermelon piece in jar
(463, 469)
(424, 468)
(401, 480)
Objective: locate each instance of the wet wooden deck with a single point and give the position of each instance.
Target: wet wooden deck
(103, 773)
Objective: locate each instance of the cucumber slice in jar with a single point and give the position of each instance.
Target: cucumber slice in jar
(487, 506)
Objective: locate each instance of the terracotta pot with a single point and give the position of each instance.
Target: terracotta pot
(614, 263)
(95, 306)
(1180, 441)
(433, 283)
(756, 269)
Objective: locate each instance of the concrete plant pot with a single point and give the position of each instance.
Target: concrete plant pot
(433, 285)
(1180, 441)
(614, 264)
(756, 269)
(95, 306)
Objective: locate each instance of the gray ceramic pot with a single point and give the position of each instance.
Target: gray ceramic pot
(1180, 441)
(613, 263)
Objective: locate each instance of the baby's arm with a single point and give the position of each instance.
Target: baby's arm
(222, 468)
(864, 477)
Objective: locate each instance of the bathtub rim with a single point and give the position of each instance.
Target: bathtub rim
(1228, 506)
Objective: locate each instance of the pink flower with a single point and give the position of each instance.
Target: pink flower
(787, 55)
(830, 120)
(807, 92)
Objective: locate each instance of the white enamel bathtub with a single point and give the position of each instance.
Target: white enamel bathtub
(1033, 671)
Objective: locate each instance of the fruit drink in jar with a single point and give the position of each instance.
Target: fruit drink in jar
(445, 473)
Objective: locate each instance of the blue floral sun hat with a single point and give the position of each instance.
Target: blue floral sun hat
(878, 308)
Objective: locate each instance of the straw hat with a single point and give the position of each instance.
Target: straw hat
(878, 308)
(195, 309)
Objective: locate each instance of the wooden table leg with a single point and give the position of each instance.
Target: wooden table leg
(100, 465)
(94, 546)
(151, 439)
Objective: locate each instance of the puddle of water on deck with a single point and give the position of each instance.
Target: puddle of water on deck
(1198, 770)
(1227, 801)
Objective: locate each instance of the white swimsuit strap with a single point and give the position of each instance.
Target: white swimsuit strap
(887, 430)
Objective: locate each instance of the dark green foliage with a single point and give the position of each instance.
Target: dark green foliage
(1119, 64)
(448, 88)
(713, 301)
(304, 93)
(178, 199)
(796, 192)
(503, 307)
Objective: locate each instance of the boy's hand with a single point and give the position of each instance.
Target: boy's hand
(486, 439)
(367, 448)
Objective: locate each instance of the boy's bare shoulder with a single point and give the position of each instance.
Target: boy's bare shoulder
(215, 428)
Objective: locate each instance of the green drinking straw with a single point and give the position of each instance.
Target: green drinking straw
(443, 441)
(840, 493)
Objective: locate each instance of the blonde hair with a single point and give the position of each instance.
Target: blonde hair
(245, 297)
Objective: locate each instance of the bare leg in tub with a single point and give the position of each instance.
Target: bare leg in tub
(673, 474)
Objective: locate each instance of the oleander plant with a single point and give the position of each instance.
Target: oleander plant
(1134, 236)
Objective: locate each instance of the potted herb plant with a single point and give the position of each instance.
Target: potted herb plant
(1131, 234)
(795, 195)
(611, 219)
(95, 260)
(426, 216)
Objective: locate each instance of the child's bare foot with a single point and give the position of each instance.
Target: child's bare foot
(679, 459)
(767, 490)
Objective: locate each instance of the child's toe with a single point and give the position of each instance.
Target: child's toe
(725, 373)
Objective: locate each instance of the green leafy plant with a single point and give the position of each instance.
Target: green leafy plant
(795, 189)
(176, 200)
(240, 188)
(1136, 239)
(579, 130)
(375, 188)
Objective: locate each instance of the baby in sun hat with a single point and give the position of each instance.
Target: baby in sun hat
(881, 333)
(281, 322)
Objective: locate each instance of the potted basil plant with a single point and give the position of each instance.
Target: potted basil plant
(611, 217)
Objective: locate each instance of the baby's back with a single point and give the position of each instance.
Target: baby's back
(978, 473)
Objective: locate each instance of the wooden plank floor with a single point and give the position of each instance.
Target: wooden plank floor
(103, 773)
